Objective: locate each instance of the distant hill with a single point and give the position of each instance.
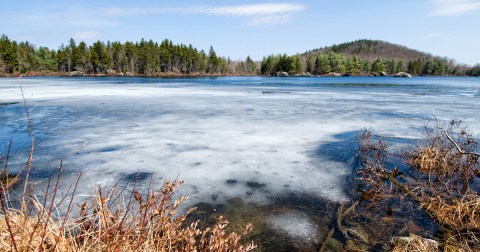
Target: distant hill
(372, 50)
(362, 57)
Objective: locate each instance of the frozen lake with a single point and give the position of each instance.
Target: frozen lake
(255, 138)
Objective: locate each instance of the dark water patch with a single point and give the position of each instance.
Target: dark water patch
(231, 182)
(275, 92)
(280, 223)
(341, 150)
(255, 185)
(379, 220)
(369, 85)
(110, 149)
(344, 148)
(318, 213)
(8, 103)
(137, 176)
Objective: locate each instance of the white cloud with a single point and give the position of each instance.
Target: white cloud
(252, 9)
(256, 14)
(86, 35)
(454, 7)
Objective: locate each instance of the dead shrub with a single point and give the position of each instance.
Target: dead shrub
(113, 222)
(442, 180)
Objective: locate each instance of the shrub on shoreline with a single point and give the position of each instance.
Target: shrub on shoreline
(442, 179)
(111, 221)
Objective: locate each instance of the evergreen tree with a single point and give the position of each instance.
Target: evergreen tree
(353, 65)
(26, 58)
(296, 65)
(250, 66)
(322, 64)
(390, 66)
(309, 64)
(378, 66)
(8, 54)
(213, 62)
(131, 57)
(337, 62)
(268, 65)
(428, 68)
(83, 58)
(97, 56)
(47, 60)
(400, 67)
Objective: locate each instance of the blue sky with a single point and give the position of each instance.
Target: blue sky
(236, 29)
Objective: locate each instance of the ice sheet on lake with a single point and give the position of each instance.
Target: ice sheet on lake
(223, 140)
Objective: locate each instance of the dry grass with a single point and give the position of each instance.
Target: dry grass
(443, 181)
(461, 214)
(432, 159)
(111, 222)
(414, 243)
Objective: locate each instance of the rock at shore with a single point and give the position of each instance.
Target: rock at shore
(403, 74)
(111, 72)
(281, 74)
(335, 74)
(383, 74)
(76, 73)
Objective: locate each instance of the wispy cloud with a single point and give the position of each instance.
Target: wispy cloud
(256, 14)
(454, 7)
(252, 9)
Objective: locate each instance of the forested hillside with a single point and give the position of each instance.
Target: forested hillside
(363, 57)
(372, 49)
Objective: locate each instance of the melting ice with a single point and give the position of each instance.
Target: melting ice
(252, 138)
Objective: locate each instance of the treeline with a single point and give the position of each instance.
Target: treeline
(142, 58)
(150, 58)
(474, 71)
(325, 63)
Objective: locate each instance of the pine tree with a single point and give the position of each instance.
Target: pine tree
(250, 66)
(322, 64)
(213, 62)
(8, 54)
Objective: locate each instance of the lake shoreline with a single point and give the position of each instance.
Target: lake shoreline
(182, 75)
